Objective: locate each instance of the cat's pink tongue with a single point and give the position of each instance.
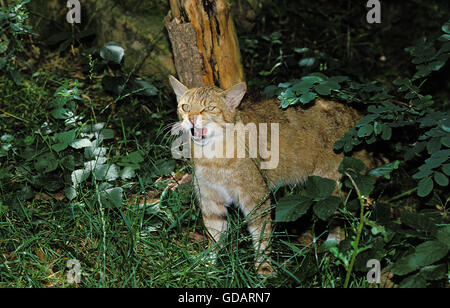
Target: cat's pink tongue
(199, 132)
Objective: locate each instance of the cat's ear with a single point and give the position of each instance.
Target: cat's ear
(177, 87)
(233, 96)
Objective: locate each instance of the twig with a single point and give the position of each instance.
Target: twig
(12, 116)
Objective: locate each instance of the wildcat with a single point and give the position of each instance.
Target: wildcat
(304, 145)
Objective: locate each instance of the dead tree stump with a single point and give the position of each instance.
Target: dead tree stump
(204, 43)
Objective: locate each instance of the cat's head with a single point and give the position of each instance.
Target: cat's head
(204, 111)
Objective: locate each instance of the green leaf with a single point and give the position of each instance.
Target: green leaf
(314, 77)
(68, 162)
(425, 186)
(433, 272)
(111, 197)
(112, 52)
(386, 132)
(385, 170)
(46, 163)
(307, 62)
(319, 188)
(78, 176)
(70, 193)
(291, 208)
(446, 169)
(351, 164)
(446, 141)
(435, 160)
(127, 173)
(302, 86)
(58, 147)
(106, 172)
(164, 166)
(365, 184)
(326, 207)
(81, 143)
(433, 145)
(446, 27)
(414, 281)
(418, 221)
(61, 113)
(322, 89)
(66, 137)
(440, 178)
(106, 133)
(430, 252)
(365, 131)
(425, 254)
(443, 235)
(133, 157)
(142, 87)
(307, 97)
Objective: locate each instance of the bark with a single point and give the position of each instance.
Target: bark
(204, 43)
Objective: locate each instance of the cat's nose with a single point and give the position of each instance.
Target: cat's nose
(192, 119)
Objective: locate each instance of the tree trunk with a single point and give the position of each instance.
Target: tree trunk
(204, 43)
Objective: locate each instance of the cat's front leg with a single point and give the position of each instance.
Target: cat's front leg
(260, 227)
(214, 219)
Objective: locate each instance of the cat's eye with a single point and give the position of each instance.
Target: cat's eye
(185, 107)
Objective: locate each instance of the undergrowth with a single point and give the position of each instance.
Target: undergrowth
(86, 173)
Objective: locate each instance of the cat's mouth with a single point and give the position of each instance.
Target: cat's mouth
(199, 135)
